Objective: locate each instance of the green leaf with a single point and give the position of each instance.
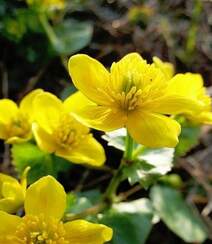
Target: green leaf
(41, 163)
(128, 228)
(152, 164)
(83, 200)
(177, 214)
(66, 92)
(142, 205)
(188, 139)
(72, 36)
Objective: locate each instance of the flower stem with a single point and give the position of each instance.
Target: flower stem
(128, 147)
(110, 193)
(48, 29)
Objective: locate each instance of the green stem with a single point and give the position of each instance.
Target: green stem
(48, 29)
(138, 151)
(128, 147)
(110, 193)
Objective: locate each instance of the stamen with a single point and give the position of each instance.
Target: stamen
(129, 100)
(38, 230)
(65, 134)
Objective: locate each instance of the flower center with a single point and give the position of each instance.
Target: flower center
(127, 99)
(38, 230)
(66, 133)
(19, 126)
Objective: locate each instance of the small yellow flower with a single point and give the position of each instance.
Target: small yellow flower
(45, 204)
(48, 4)
(166, 67)
(56, 131)
(12, 193)
(192, 86)
(133, 94)
(15, 122)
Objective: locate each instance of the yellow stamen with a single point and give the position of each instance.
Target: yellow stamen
(38, 230)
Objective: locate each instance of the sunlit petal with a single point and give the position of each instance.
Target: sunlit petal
(153, 130)
(89, 76)
(47, 110)
(83, 232)
(88, 151)
(46, 196)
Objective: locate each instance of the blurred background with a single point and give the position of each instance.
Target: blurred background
(38, 37)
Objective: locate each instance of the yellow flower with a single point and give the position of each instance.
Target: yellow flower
(165, 67)
(192, 86)
(132, 95)
(45, 204)
(56, 131)
(15, 122)
(48, 4)
(12, 192)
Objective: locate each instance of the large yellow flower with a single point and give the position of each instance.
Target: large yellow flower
(57, 131)
(45, 204)
(15, 122)
(133, 94)
(11, 193)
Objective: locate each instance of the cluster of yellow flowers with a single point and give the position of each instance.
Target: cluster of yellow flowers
(50, 121)
(44, 204)
(143, 98)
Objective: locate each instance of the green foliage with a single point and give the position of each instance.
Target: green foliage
(152, 164)
(188, 139)
(82, 200)
(177, 214)
(41, 163)
(173, 180)
(128, 227)
(72, 36)
(69, 90)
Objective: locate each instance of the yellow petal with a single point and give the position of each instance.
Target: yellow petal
(8, 224)
(44, 140)
(153, 130)
(101, 118)
(46, 196)
(88, 113)
(26, 104)
(90, 77)
(47, 110)
(16, 139)
(12, 197)
(83, 232)
(201, 118)
(174, 104)
(8, 110)
(165, 67)
(88, 151)
(76, 102)
(121, 72)
(188, 85)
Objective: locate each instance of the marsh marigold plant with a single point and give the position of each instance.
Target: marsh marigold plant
(133, 94)
(57, 131)
(16, 121)
(45, 204)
